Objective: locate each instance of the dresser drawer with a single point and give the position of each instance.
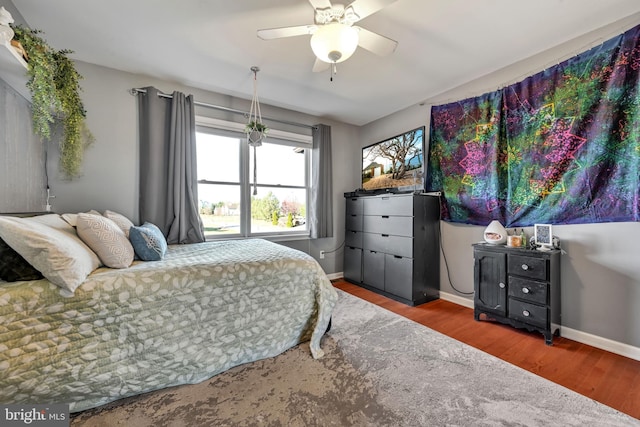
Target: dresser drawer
(528, 290)
(388, 205)
(388, 244)
(353, 222)
(398, 276)
(529, 313)
(354, 205)
(353, 238)
(386, 224)
(353, 264)
(373, 269)
(527, 266)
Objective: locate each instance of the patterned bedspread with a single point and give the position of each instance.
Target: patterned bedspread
(203, 309)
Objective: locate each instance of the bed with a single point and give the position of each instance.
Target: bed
(199, 311)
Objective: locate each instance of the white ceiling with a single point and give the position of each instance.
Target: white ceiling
(212, 44)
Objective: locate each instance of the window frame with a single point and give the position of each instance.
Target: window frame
(235, 129)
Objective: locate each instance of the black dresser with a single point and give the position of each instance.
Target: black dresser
(519, 287)
(392, 245)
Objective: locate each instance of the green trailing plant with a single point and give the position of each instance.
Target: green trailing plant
(55, 94)
(257, 126)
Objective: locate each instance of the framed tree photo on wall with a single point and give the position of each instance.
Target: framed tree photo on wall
(543, 236)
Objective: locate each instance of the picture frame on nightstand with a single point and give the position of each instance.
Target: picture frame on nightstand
(543, 236)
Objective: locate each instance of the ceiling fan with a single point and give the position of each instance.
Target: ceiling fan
(334, 38)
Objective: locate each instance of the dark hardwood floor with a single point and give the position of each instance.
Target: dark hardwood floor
(606, 377)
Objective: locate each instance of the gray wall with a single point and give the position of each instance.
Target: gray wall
(22, 175)
(601, 268)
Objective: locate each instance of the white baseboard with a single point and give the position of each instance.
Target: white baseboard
(334, 276)
(601, 343)
(572, 334)
(456, 299)
(606, 344)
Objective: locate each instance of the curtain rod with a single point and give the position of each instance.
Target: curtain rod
(135, 91)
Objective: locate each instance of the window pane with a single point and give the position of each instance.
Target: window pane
(220, 209)
(218, 158)
(278, 210)
(279, 164)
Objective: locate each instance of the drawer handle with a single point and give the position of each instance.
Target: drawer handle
(525, 290)
(525, 267)
(397, 256)
(526, 313)
(384, 235)
(354, 215)
(501, 285)
(385, 216)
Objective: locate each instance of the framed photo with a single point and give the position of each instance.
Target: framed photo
(543, 235)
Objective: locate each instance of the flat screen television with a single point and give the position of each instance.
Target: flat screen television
(395, 163)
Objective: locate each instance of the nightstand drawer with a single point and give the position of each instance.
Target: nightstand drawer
(528, 290)
(526, 266)
(528, 313)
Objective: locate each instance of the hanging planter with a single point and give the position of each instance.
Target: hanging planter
(256, 133)
(255, 129)
(55, 94)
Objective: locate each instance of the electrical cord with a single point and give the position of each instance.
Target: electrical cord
(444, 256)
(336, 249)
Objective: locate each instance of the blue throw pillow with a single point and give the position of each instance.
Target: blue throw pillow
(148, 242)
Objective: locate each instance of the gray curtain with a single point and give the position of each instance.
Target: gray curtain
(321, 214)
(168, 174)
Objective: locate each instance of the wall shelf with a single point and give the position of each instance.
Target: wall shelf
(13, 70)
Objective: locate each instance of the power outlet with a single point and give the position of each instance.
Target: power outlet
(321, 254)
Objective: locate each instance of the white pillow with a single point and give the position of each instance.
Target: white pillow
(106, 239)
(122, 221)
(72, 218)
(60, 256)
(56, 221)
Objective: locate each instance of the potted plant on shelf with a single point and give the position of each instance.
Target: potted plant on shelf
(55, 94)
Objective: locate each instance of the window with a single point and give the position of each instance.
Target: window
(228, 207)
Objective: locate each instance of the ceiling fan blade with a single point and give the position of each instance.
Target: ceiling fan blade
(277, 33)
(364, 8)
(320, 66)
(373, 42)
(320, 4)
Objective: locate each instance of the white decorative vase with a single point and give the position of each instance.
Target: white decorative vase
(495, 233)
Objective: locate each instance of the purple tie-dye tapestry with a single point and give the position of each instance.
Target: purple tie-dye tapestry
(560, 147)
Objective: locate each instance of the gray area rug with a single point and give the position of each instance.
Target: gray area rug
(379, 369)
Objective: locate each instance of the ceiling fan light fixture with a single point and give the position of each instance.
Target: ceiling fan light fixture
(334, 42)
